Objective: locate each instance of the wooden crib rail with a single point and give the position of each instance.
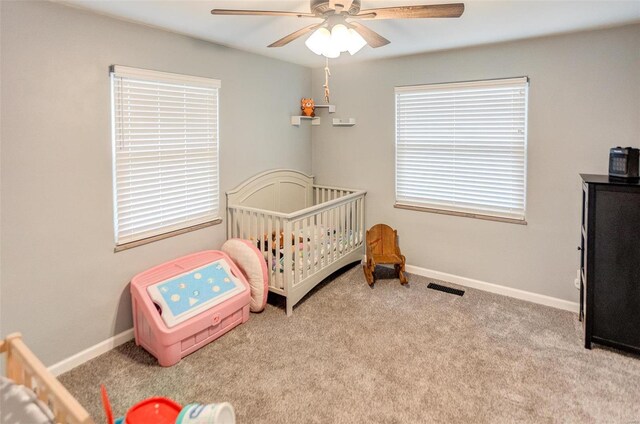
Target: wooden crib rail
(24, 368)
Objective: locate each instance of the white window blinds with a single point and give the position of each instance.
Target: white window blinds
(462, 147)
(165, 152)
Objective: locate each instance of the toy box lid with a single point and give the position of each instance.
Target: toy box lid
(186, 295)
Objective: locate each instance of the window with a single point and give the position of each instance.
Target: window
(461, 148)
(165, 153)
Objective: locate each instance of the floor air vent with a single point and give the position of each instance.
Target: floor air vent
(445, 289)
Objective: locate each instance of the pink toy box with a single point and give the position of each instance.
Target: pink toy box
(182, 305)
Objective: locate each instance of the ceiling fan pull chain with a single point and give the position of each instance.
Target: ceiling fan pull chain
(327, 74)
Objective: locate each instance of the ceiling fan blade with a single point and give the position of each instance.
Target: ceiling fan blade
(451, 10)
(261, 13)
(299, 33)
(362, 16)
(372, 38)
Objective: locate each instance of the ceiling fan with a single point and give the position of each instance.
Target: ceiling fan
(341, 29)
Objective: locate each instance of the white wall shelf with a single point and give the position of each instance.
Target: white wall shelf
(331, 108)
(315, 120)
(350, 122)
(296, 119)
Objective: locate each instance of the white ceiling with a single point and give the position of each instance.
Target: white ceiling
(483, 22)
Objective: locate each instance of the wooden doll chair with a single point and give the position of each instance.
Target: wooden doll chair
(383, 249)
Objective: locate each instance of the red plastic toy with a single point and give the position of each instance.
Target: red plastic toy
(155, 410)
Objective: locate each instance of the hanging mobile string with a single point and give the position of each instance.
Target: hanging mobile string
(327, 74)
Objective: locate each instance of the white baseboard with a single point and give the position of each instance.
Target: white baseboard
(91, 352)
(115, 341)
(495, 288)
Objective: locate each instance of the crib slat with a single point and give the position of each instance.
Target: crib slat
(354, 219)
(299, 252)
(235, 223)
(323, 234)
(261, 235)
(363, 228)
(238, 226)
(256, 230)
(269, 243)
(60, 416)
(293, 254)
(256, 233)
(244, 225)
(348, 211)
(246, 219)
(309, 240)
(312, 244)
(286, 249)
(42, 394)
(28, 379)
(302, 250)
(354, 224)
(249, 231)
(279, 235)
(285, 276)
(276, 245)
(286, 261)
(338, 232)
(343, 222)
(347, 227)
(359, 229)
(315, 261)
(334, 233)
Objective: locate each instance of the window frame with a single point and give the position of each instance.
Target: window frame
(173, 229)
(452, 210)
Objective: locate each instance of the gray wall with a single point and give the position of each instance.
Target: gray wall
(584, 98)
(62, 285)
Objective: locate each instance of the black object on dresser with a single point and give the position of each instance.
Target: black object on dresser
(610, 262)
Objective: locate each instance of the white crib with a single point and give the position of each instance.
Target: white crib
(305, 231)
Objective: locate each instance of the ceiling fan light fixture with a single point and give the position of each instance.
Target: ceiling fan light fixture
(340, 37)
(356, 42)
(332, 51)
(331, 43)
(319, 41)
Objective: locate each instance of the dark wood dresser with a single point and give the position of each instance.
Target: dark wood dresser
(610, 262)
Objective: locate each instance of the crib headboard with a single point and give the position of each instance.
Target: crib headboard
(280, 190)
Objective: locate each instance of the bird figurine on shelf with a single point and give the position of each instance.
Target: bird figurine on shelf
(308, 107)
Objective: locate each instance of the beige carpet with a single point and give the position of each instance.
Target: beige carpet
(391, 354)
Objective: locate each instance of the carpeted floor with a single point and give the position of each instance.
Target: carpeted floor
(391, 354)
